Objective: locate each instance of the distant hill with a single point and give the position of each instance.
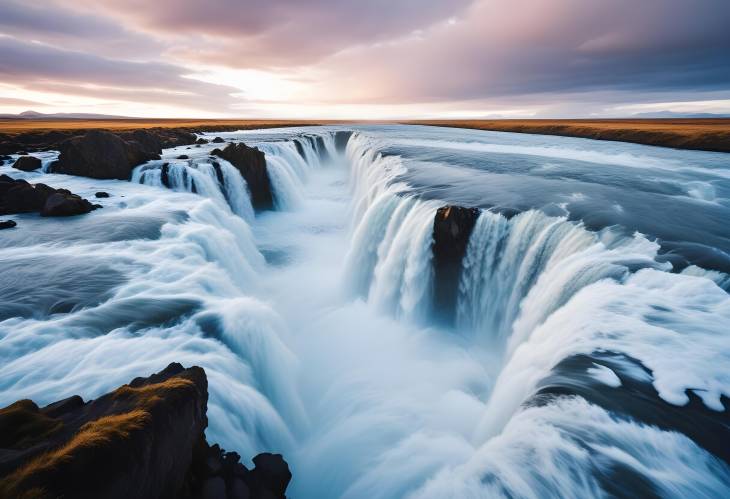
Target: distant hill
(672, 114)
(34, 115)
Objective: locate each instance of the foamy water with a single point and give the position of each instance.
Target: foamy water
(588, 358)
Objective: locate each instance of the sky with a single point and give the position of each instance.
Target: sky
(365, 59)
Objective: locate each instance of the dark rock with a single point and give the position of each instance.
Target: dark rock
(145, 439)
(203, 141)
(62, 204)
(251, 163)
(272, 473)
(238, 489)
(133, 442)
(183, 156)
(7, 224)
(27, 163)
(214, 488)
(217, 140)
(19, 196)
(101, 154)
(452, 227)
(341, 140)
(101, 194)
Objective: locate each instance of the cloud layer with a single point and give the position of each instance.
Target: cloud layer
(221, 56)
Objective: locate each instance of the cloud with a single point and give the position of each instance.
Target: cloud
(42, 68)
(531, 55)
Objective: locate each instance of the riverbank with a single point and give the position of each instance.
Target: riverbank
(697, 134)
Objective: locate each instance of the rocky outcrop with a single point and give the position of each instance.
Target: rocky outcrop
(341, 139)
(100, 154)
(143, 440)
(251, 162)
(107, 155)
(19, 196)
(452, 227)
(27, 163)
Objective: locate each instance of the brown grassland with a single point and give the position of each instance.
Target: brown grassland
(702, 134)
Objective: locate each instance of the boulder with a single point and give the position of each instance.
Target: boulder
(101, 194)
(251, 163)
(27, 163)
(7, 224)
(202, 141)
(183, 156)
(218, 140)
(19, 196)
(101, 154)
(452, 227)
(65, 204)
(145, 439)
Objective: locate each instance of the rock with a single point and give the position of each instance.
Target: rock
(203, 141)
(7, 224)
(251, 163)
(238, 489)
(27, 163)
(214, 488)
(101, 194)
(217, 140)
(145, 439)
(106, 155)
(341, 140)
(101, 154)
(183, 156)
(272, 473)
(452, 227)
(19, 196)
(133, 442)
(64, 205)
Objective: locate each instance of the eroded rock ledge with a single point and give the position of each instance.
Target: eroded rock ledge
(452, 227)
(143, 440)
(251, 162)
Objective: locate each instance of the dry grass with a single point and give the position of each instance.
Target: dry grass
(702, 134)
(91, 435)
(148, 395)
(20, 126)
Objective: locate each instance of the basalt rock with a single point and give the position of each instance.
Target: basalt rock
(19, 196)
(251, 162)
(27, 163)
(143, 440)
(106, 155)
(452, 227)
(101, 194)
(7, 224)
(100, 154)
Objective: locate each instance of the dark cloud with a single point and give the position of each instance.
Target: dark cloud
(560, 46)
(252, 33)
(54, 24)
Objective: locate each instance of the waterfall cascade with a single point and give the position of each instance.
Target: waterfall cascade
(367, 396)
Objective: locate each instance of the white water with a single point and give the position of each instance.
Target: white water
(325, 353)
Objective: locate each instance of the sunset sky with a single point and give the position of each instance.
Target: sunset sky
(365, 59)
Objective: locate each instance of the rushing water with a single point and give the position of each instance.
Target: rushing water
(590, 350)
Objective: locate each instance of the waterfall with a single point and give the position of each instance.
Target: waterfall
(288, 165)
